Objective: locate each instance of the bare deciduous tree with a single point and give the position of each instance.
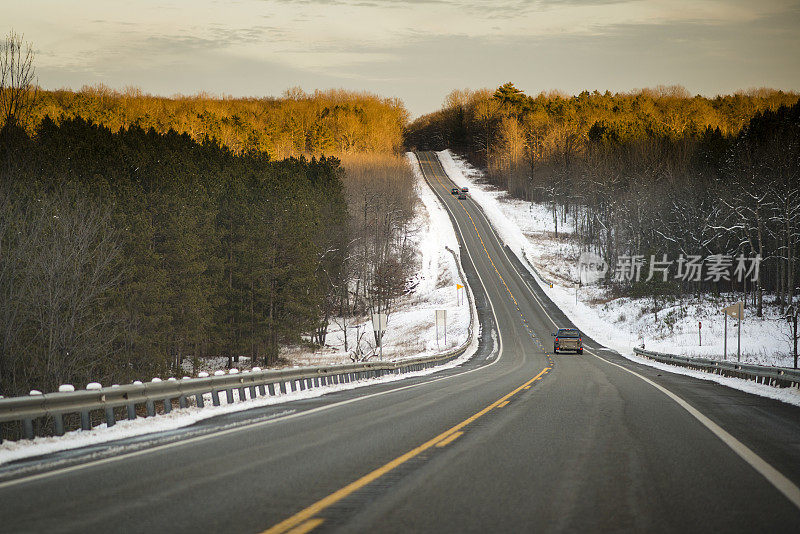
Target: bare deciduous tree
(18, 89)
(59, 264)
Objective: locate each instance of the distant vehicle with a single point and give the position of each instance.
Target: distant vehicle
(454, 191)
(567, 339)
(465, 189)
(462, 196)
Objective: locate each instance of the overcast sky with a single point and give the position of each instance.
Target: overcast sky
(417, 50)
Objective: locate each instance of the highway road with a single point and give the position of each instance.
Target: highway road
(517, 439)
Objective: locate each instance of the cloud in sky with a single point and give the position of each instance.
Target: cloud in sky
(416, 50)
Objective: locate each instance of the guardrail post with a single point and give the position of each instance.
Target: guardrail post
(199, 400)
(242, 394)
(110, 419)
(316, 381)
(167, 405)
(27, 428)
(253, 393)
(182, 401)
(301, 384)
(271, 389)
(229, 395)
(283, 387)
(58, 419)
(215, 397)
(86, 424)
(151, 408)
(131, 411)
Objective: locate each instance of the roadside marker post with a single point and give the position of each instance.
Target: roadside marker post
(441, 319)
(459, 297)
(379, 327)
(725, 343)
(737, 312)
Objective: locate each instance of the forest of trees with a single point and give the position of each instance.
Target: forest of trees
(646, 173)
(137, 232)
(126, 252)
(325, 122)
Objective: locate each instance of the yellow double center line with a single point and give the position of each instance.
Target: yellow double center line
(304, 520)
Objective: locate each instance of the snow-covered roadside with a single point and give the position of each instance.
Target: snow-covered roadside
(410, 333)
(622, 323)
(411, 328)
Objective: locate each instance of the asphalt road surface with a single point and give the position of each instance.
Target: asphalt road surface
(516, 440)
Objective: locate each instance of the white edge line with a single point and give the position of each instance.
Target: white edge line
(773, 476)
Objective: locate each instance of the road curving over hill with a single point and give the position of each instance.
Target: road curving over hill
(518, 439)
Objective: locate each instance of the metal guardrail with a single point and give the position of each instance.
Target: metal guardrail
(252, 384)
(535, 270)
(774, 376)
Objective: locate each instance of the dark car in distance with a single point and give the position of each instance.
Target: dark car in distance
(454, 191)
(462, 196)
(465, 189)
(567, 339)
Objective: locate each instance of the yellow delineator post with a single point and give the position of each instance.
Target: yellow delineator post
(737, 312)
(459, 287)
